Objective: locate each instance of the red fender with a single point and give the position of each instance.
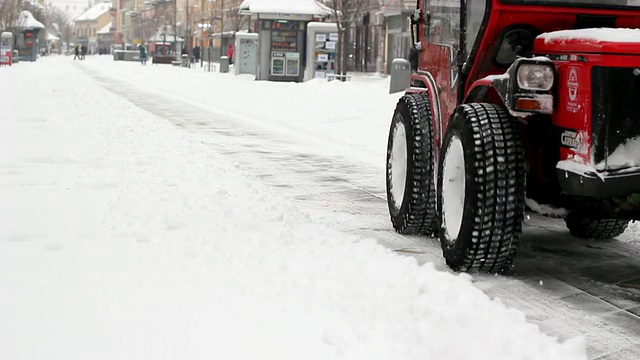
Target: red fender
(422, 82)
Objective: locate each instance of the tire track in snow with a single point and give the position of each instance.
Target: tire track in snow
(565, 285)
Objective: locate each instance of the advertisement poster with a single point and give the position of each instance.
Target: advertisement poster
(330, 45)
(321, 37)
(5, 55)
(333, 37)
(323, 57)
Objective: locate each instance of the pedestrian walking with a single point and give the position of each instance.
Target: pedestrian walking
(196, 53)
(76, 51)
(143, 55)
(83, 51)
(230, 54)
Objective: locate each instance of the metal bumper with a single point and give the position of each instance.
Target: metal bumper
(611, 184)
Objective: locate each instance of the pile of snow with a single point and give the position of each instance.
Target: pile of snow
(124, 237)
(594, 35)
(546, 209)
(624, 156)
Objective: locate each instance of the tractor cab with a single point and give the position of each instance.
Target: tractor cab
(516, 103)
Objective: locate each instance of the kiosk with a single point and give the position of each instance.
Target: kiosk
(27, 39)
(6, 48)
(322, 40)
(282, 36)
(246, 53)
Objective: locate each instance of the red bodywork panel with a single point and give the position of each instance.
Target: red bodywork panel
(573, 90)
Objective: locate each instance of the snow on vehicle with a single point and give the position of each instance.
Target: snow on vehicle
(517, 101)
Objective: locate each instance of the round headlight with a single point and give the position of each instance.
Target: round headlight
(535, 77)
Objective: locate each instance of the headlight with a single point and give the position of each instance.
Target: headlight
(535, 77)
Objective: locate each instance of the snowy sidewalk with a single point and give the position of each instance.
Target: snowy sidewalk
(122, 237)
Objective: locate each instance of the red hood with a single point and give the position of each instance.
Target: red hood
(620, 41)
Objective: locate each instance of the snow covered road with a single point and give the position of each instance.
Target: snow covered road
(254, 161)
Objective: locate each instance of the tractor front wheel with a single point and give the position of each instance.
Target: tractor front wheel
(410, 167)
(481, 189)
(596, 229)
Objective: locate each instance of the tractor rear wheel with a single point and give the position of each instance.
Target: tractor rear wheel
(597, 229)
(410, 167)
(481, 189)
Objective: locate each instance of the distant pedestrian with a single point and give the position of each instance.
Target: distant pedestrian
(83, 51)
(143, 55)
(230, 54)
(76, 51)
(196, 53)
(184, 51)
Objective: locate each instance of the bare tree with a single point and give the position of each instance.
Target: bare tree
(237, 21)
(346, 13)
(9, 11)
(56, 22)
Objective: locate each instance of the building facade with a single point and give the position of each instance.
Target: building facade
(90, 23)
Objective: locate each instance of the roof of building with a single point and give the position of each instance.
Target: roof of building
(27, 21)
(300, 7)
(106, 29)
(94, 12)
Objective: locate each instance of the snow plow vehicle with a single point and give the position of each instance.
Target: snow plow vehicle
(516, 103)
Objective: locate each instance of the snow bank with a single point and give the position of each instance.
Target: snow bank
(332, 118)
(124, 237)
(594, 35)
(546, 209)
(624, 156)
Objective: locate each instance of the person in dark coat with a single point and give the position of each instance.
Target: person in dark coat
(143, 55)
(196, 53)
(83, 51)
(76, 50)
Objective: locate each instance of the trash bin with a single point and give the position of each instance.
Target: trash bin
(185, 60)
(224, 64)
(16, 57)
(400, 75)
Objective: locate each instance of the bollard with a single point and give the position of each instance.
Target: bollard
(400, 75)
(224, 64)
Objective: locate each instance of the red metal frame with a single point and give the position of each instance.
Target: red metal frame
(435, 61)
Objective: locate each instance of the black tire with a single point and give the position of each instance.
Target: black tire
(597, 229)
(494, 189)
(416, 214)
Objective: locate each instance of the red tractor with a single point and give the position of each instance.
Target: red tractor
(516, 103)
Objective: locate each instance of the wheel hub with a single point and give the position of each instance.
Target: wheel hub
(453, 189)
(398, 164)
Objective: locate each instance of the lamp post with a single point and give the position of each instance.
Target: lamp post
(201, 32)
(175, 29)
(221, 27)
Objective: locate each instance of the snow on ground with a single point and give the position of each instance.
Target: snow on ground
(124, 237)
(350, 116)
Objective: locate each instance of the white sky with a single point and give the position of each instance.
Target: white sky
(72, 7)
